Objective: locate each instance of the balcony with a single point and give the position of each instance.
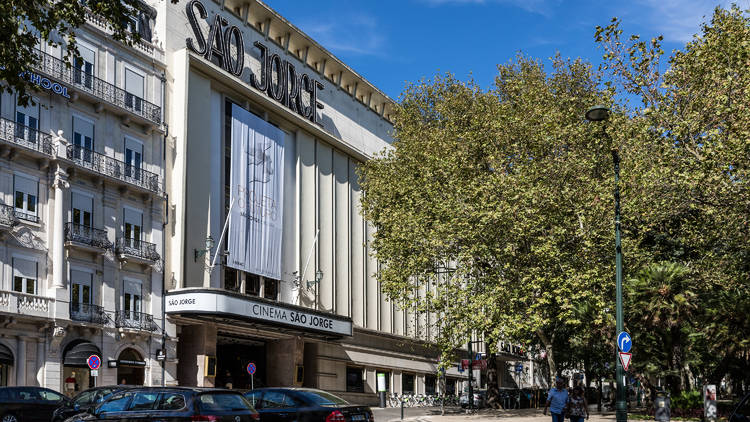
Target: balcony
(7, 217)
(25, 304)
(85, 237)
(113, 168)
(26, 216)
(136, 250)
(135, 321)
(96, 88)
(143, 45)
(27, 138)
(87, 312)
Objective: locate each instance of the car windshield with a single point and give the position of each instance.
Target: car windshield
(322, 398)
(223, 402)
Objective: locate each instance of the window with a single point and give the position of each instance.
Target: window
(116, 403)
(429, 384)
(171, 401)
(133, 158)
(50, 396)
(131, 299)
(83, 140)
(278, 399)
(354, 381)
(24, 276)
(253, 284)
(407, 383)
(387, 379)
(231, 279)
(254, 398)
(85, 398)
(133, 227)
(28, 122)
(83, 69)
(82, 209)
(450, 386)
(222, 402)
(322, 397)
(134, 83)
(144, 401)
(270, 288)
(80, 291)
(25, 199)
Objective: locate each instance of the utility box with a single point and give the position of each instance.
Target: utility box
(710, 412)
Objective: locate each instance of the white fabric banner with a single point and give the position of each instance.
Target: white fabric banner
(257, 183)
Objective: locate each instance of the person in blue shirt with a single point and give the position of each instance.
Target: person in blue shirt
(557, 399)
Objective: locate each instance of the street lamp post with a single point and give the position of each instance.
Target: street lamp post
(600, 113)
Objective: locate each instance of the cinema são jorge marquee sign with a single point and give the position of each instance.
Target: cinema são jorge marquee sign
(216, 46)
(219, 302)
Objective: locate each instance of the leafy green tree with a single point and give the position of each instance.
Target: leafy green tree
(511, 189)
(26, 23)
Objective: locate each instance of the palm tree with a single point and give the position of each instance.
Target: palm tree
(662, 301)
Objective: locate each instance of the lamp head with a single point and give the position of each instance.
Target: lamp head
(597, 113)
(210, 243)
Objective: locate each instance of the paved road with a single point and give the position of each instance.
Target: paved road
(432, 414)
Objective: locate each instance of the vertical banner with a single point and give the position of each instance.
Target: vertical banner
(257, 183)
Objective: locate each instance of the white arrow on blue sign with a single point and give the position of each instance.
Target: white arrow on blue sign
(624, 342)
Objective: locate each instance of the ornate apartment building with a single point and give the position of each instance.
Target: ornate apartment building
(82, 215)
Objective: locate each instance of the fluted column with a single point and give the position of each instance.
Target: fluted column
(60, 184)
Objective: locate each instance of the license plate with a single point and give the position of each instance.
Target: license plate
(358, 417)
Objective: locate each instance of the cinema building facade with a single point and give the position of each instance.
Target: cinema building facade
(269, 127)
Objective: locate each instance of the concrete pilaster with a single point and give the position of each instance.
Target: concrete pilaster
(58, 234)
(21, 361)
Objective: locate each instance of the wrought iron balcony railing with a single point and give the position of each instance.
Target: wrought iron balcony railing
(105, 91)
(7, 216)
(135, 320)
(16, 133)
(137, 248)
(87, 235)
(26, 216)
(88, 313)
(112, 167)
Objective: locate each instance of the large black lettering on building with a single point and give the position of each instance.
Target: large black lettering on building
(216, 47)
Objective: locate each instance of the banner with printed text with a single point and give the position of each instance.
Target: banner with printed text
(257, 183)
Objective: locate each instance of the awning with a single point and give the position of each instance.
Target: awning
(6, 356)
(76, 354)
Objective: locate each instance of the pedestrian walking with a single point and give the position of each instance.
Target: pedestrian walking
(578, 407)
(557, 399)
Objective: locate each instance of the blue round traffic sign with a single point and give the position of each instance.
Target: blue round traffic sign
(624, 342)
(94, 362)
(251, 368)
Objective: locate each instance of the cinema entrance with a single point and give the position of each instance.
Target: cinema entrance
(233, 354)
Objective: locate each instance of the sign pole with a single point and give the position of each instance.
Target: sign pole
(252, 382)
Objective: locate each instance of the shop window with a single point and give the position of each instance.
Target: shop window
(407, 383)
(253, 284)
(429, 384)
(354, 380)
(270, 288)
(450, 386)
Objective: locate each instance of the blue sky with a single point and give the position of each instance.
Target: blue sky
(391, 42)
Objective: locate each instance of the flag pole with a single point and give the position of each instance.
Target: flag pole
(223, 232)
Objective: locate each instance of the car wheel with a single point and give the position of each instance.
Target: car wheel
(9, 418)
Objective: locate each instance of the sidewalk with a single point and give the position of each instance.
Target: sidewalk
(521, 415)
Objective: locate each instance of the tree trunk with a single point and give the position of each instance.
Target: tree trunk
(547, 342)
(493, 388)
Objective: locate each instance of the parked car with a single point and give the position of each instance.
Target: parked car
(305, 405)
(173, 404)
(29, 404)
(741, 413)
(480, 399)
(85, 400)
